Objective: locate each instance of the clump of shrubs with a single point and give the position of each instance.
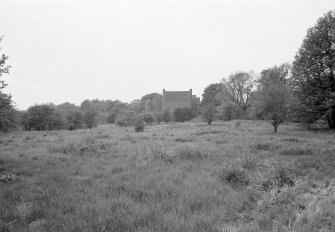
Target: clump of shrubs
(263, 177)
(183, 114)
(166, 116)
(148, 118)
(234, 176)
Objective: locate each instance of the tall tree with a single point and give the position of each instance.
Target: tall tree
(313, 72)
(237, 88)
(272, 93)
(44, 117)
(211, 98)
(7, 109)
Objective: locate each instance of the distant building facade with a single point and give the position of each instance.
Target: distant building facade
(172, 100)
(176, 99)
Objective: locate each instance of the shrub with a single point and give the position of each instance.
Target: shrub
(148, 118)
(234, 176)
(139, 125)
(273, 175)
(183, 114)
(75, 120)
(166, 116)
(126, 118)
(90, 118)
(158, 117)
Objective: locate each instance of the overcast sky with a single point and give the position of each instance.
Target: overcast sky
(72, 50)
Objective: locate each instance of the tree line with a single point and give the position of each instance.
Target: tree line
(303, 91)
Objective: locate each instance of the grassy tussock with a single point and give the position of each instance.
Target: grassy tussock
(296, 151)
(266, 146)
(87, 145)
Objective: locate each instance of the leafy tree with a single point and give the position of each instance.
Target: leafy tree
(136, 106)
(7, 110)
(237, 88)
(125, 118)
(24, 120)
(313, 72)
(273, 94)
(183, 114)
(75, 120)
(148, 118)
(158, 117)
(44, 117)
(275, 105)
(117, 108)
(211, 98)
(209, 112)
(166, 116)
(90, 117)
(229, 110)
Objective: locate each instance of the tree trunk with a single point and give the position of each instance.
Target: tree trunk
(275, 128)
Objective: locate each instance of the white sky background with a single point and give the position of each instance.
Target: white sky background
(72, 50)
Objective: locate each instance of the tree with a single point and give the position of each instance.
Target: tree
(272, 94)
(7, 110)
(90, 117)
(166, 116)
(183, 114)
(75, 120)
(209, 112)
(313, 75)
(211, 98)
(275, 105)
(237, 88)
(126, 118)
(116, 108)
(148, 118)
(44, 117)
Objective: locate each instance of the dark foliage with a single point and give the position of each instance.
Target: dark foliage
(313, 73)
(183, 114)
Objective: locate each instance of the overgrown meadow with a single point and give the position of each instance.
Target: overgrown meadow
(231, 176)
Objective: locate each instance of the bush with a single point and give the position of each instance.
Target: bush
(148, 118)
(158, 117)
(166, 117)
(75, 120)
(126, 118)
(236, 177)
(183, 114)
(139, 125)
(90, 118)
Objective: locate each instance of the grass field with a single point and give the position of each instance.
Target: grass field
(231, 176)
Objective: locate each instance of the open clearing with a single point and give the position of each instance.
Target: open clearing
(231, 176)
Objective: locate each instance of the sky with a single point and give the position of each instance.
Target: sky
(72, 50)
